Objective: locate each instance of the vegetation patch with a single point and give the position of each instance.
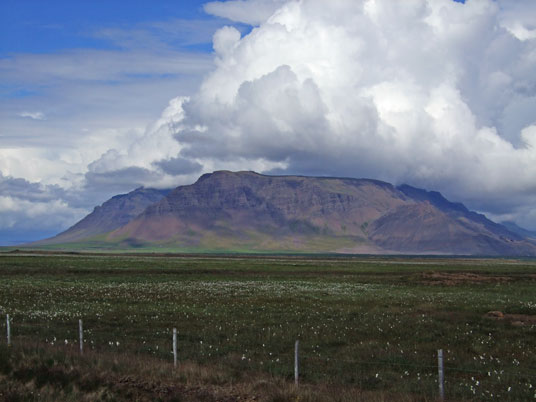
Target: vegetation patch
(368, 327)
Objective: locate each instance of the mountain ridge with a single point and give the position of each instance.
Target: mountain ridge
(251, 212)
(113, 213)
(515, 228)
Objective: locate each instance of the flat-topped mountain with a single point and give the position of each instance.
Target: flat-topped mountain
(246, 211)
(249, 212)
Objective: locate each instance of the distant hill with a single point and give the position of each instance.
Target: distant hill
(249, 212)
(513, 227)
(114, 213)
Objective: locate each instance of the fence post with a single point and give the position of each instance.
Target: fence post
(8, 327)
(296, 362)
(175, 347)
(81, 336)
(441, 374)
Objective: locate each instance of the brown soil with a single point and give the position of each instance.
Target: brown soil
(149, 391)
(457, 278)
(514, 319)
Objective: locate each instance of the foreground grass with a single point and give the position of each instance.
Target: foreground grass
(367, 326)
(43, 373)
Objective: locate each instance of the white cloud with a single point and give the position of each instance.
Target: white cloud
(29, 206)
(251, 12)
(33, 115)
(155, 144)
(100, 65)
(162, 35)
(519, 17)
(17, 214)
(434, 93)
(90, 107)
(80, 105)
(225, 39)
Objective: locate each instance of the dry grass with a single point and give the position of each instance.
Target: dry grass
(42, 373)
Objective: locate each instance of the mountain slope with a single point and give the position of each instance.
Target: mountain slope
(246, 211)
(112, 214)
(458, 210)
(513, 227)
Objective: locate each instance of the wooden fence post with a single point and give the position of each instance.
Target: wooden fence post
(8, 327)
(441, 374)
(296, 362)
(81, 336)
(175, 347)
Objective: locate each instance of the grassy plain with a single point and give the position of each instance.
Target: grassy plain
(369, 327)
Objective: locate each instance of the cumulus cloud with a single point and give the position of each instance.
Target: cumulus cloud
(22, 214)
(24, 190)
(519, 17)
(87, 107)
(82, 120)
(149, 160)
(179, 166)
(29, 206)
(119, 180)
(431, 92)
(435, 93)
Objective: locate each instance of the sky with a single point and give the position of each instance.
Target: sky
(99, 98)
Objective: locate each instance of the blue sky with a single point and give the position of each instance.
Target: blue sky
(100, 97)
(96, 43)
(51, 26)
(55, 27)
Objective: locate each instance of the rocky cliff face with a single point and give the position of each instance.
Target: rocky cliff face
(246, 211)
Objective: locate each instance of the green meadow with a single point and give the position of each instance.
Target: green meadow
(369, 327)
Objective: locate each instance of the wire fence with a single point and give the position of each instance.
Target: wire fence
(309, 364)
